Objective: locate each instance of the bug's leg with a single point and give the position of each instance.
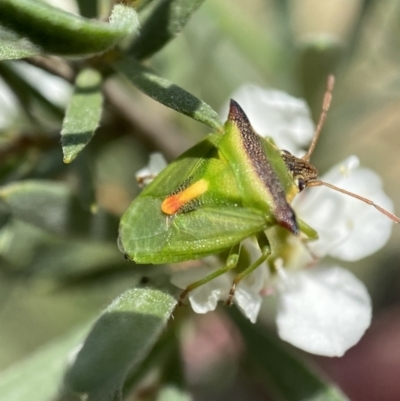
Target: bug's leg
(265, 253)
(231, 263)
(311, 234)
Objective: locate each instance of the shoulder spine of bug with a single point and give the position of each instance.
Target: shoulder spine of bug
(226, 188)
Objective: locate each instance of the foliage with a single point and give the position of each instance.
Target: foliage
(61, 197)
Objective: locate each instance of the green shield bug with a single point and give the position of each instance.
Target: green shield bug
(230, 186)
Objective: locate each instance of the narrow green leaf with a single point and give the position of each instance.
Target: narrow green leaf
(167, 93)
(57, 32)
(164, 350)
(38, 377)
(75, 259)
(165, 22)
(12, 46)
(45, 204)
(53, 207)
(83, 114)
(26, 93)
(289, 375)
(119, 341)
(16, 49)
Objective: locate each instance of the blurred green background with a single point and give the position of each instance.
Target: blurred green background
(50, 282)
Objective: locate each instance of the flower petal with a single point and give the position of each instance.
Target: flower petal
(204, 298)
(247, 295)
(324, 310)
(156, 164)
(348, 228)
(276, 114)
(248, 301)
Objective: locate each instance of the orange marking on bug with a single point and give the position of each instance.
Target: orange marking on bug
(174, 202)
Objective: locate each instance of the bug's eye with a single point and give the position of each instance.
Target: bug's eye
(301, 183)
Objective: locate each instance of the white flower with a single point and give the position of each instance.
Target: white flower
(348, 228)
(156, 164)
(205, 298)
(322, 309)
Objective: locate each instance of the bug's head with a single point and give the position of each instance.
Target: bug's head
(301, 170)
(306, 175)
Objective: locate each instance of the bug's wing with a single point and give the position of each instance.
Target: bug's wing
(213, 222)
(189, 165)
(149, 236)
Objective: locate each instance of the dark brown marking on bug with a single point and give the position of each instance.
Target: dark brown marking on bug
(185, 184)
(253, 147)
(301, 170)
(194, 204)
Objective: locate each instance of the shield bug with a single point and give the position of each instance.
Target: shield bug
(230, 186)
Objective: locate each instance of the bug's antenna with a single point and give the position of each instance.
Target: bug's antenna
(326, 103)
(318, 183)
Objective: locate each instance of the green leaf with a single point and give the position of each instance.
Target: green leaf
(167, 93)
(13, 47)
(76, 260)
(292, 379)
(26, 93)
(19, 243)
(165, 22)
(57, 32)
(163, 351)
(83, 114)
(53, 207)
(38, 377)
(118, 342)
(45, 204)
